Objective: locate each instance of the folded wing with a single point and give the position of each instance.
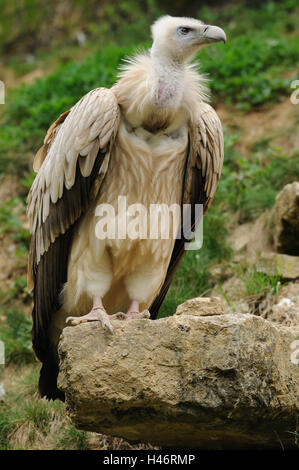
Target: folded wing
(203, 167)
(71, 166)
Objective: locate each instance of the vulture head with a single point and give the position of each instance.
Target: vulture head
(179, 38)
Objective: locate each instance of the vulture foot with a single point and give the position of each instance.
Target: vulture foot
(134, 315)
(96, 314)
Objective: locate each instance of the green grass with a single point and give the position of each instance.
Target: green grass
(71, 438)
(15, 330)
(15, 333)
(249, 71)
(256, 283)
(262, 48)
(29, 422)
(10, 222)
(274, 17)
(31, 109)
(250, 185)
(33, 26)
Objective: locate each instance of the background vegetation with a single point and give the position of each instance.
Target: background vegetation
(75, 46)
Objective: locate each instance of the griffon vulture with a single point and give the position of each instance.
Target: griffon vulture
(152, 138)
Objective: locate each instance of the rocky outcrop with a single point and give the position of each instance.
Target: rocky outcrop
(286, 232)
(276, 230)
(272, 241)
(260, 236)
(202, 306)
(228, 381)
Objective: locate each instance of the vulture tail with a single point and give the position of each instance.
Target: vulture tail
(48, 381)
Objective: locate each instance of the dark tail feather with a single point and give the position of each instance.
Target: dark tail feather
(48, 381)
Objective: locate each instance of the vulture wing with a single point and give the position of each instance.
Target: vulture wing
(202, 172)
(71, 166)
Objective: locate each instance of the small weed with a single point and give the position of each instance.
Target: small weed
(259, 283)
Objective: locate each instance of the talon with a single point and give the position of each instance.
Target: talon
(96, 314)
(130, 315)
(145, 314)
(108, 326)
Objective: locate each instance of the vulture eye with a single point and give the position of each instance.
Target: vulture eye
(183, 31)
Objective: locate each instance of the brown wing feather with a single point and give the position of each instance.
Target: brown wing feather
(72, 166)
(202, 172)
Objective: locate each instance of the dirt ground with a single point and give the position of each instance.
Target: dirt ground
(278, 123)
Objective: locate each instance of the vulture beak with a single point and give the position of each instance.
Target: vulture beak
(211, 34)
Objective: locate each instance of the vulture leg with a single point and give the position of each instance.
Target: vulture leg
(97, 313)
(133, 312)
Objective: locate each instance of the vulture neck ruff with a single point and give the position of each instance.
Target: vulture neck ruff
(153, 93)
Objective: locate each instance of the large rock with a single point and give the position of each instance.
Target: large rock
(285, 266)
(211, 382)
(254, 237)
(286, 233)
(202, 306)
(275, 230)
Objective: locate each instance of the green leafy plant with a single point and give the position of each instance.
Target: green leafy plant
(15, 332)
